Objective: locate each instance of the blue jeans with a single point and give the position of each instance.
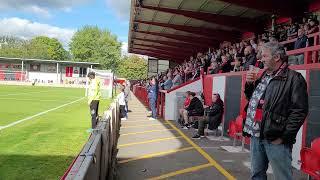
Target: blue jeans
(153, 104)
(279, 156)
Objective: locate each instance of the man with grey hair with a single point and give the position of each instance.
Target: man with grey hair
(277, 108)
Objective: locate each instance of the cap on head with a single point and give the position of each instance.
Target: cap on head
(192, 94)
(91, 74)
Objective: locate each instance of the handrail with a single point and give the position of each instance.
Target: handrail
(295, 39)
(303, 50)
(183, 84)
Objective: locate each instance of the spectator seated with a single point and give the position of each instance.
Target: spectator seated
(213, 116)
(193, 111)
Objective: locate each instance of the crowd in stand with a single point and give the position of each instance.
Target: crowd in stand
(275, 110)
(238, 56)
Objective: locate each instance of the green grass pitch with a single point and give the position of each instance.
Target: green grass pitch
(52, 132)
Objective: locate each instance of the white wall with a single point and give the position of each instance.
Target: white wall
(218, 86)
(43, 76)
(171, 110)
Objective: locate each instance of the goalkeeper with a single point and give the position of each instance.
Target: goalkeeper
(94, 95)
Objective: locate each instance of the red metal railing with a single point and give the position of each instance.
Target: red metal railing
(315, 37)
(310, 54)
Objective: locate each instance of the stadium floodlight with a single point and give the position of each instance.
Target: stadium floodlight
(106, 77)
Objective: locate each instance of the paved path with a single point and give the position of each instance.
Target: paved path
(158, 149)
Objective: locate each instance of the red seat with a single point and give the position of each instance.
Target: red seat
(310, 159)
(235, 127)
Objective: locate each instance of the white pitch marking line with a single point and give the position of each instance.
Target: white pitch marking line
(39, 114)
(34, 100)
(22, 93)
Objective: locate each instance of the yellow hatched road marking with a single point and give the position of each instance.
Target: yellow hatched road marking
(143, 132)
(143, 125)
(147, 156)
(182, 171)
(150, 141)
(204, 154)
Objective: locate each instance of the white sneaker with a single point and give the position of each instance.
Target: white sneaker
(152, 119)
(123, 119)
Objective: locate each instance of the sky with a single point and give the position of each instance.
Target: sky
(61, 18)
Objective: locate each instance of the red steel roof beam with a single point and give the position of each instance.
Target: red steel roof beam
(182, 54)
(197, 47)
(217, 34)
(190, 39)
(165, 48)
(242, 24)
(170, 53)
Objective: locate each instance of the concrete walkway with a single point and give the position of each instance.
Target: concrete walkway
(159, 149)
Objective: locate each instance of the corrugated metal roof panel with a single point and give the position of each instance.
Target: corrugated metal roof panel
(233, 10)
(214, 6)
(162, 17)
(170, 3)
(192, 5)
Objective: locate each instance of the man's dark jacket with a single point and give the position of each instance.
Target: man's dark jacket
(195, 108)
(215, 114)
(285, 106)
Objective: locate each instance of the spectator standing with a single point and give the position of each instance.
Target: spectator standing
(214, 68)
(292, 32)
(275, 113)
(313, 26)
(127, 96)
(153, 96)
(301, 42)
(167, 84)
(122, 104)
(250, 58)
(254, 45)
(237, 64)
(177, 80)
(94, 95)
(226, 65)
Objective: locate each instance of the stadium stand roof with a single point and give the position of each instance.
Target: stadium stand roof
(47, 61)
(174, 29)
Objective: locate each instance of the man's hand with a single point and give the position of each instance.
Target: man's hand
(277, 141)
(251, 77)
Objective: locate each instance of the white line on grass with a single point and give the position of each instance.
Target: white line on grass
(34, 100)
(22, 93)
(39, 114)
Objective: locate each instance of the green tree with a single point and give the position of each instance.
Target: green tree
(12, 46)
(133, 67)
(42, 47)
(96, 45)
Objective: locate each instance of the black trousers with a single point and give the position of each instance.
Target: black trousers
(94, 105)
(122, 111)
